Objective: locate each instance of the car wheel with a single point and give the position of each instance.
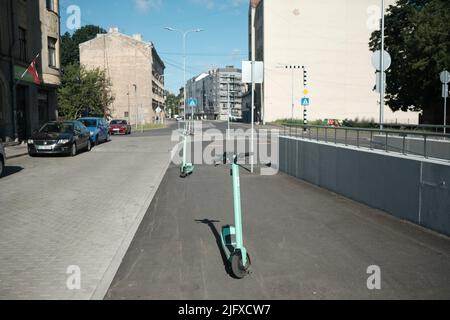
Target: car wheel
(89, 145)
(74, 150)
(2, 167)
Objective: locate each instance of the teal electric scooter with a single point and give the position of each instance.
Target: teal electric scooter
(186, 168)
(232, 238)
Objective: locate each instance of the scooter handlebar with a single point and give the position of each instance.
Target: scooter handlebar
(231, 158)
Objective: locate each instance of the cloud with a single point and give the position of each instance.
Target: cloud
(219, 4)
(145, 5)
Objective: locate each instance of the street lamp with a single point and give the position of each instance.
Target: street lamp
(184, 34)
(382, 84)
(135, 100)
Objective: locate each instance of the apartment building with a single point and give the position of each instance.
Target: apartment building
(136, 72)
(218, 93)
(330, 38)
(28, 28)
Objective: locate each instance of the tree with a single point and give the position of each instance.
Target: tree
(70, 52)
(173, 103)
(84, 93)
(418, 39)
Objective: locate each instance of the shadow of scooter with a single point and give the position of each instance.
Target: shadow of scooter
(212, 226)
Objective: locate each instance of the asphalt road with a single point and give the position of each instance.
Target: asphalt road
(305, 243)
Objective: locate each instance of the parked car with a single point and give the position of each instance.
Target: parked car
(99, 129)
(2, 160)
(66, 137)
(119, 127)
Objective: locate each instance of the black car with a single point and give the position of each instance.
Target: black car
(66, 137)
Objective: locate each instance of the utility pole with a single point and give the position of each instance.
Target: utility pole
(382, 71)
(184, 34)
(252, 143)
(292, 95)
(229, 107)
(129, 108)
(136, 102)
(445, 79)
(292, 68)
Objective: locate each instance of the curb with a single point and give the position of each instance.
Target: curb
(104, 284)
(23, 154)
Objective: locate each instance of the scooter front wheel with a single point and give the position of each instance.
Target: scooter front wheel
(237, 266)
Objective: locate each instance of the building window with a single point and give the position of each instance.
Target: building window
(126, 114)
(23, 44)
(50, 5)
(52, 52)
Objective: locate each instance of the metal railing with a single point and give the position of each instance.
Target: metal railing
(413, 143)
(415, 127)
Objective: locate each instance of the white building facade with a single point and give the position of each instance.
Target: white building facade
(330, 38)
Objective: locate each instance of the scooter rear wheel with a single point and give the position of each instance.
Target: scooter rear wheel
(237, 267)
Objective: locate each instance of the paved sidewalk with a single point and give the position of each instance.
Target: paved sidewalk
(58, 212)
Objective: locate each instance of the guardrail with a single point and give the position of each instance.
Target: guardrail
(415, 127)
(423, 144)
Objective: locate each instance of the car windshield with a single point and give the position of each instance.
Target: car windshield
(89, 123)
(118, 122)
(57, 128)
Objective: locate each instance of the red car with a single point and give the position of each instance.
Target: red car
(119, 127)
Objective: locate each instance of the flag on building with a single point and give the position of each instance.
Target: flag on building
(33, 71)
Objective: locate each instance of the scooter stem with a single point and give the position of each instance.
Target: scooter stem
(237, 210)
(184, 148)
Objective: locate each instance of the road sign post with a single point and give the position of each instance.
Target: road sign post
(381, 62)
(445, 79)
(192, 103)
(252, 72)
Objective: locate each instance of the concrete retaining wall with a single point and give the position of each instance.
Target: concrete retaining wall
(411, 189)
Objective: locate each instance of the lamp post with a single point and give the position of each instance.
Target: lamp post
(382, 85)
(135, 101)
(184, 34)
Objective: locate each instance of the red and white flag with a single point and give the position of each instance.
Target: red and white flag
(33, 71)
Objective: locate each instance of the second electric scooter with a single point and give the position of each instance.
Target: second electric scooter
(232, 235)
(186, 168)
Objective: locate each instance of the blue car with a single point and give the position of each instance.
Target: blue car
(99, 129)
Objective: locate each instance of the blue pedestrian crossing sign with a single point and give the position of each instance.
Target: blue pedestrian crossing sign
(192, 103)
(305, 102)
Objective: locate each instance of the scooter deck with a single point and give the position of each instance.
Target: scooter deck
(187, 169)
(229, 240)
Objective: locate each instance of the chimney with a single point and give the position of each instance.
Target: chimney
(113, 30)
(137, 37)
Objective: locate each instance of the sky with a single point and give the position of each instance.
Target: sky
(224, 41)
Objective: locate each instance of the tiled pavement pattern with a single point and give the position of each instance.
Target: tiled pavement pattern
(60, 211)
